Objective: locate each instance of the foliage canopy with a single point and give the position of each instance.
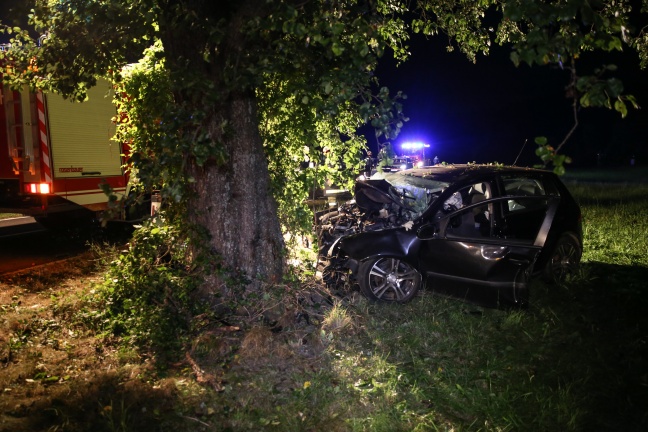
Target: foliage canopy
(308, 66)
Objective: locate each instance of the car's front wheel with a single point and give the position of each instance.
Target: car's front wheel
(564, 260)
(388, 279)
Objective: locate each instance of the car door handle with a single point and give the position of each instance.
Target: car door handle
(520, 261)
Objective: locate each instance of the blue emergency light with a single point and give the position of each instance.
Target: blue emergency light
(415, 145)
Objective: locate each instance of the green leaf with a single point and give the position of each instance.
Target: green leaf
(337, 49)
(51, 379)
(621, 107)
(633, 101)
(583, 83)
(337, 28)
(615, 87)
(540, 140)
(615, 44)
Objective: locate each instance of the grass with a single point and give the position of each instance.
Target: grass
(626, 174)
(576, 360)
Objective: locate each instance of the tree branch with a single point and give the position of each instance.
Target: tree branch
(574, 95)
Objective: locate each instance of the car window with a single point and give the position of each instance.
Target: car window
(418, 193)
(486, 221)
(467, 195)
(474, 221)
(522, 218)
(520, 186)
(517, 185)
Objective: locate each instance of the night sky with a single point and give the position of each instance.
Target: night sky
(484, 112)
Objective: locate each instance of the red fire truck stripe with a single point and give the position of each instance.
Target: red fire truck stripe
(42, 128)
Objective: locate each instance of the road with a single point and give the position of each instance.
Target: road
(19, 225)
(24, 244)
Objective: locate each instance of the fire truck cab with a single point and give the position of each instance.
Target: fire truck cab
(55, 153)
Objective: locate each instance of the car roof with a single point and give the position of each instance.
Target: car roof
(454, 173)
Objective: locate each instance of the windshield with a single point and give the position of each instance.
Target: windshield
(417, 192)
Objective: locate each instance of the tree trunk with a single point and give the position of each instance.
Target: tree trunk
(234, 202)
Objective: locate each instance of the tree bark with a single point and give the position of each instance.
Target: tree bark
(234, 202)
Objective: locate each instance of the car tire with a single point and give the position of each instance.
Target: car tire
(564, 259)
(388, 279)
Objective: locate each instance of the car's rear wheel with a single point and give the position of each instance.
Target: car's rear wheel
(388, 279)
(564, 259)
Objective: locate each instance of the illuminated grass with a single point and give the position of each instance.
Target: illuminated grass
(614, 223)
(574, 361)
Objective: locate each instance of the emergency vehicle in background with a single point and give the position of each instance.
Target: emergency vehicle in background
(54, 154)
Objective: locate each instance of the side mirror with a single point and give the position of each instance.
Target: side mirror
(428, 231)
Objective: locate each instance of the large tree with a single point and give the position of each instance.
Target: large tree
(231, 88)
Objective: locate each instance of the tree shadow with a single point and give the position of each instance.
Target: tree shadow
(107, 402)
(607, 307)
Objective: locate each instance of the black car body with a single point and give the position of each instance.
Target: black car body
(477, 232)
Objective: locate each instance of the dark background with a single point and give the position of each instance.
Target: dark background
(485, 112)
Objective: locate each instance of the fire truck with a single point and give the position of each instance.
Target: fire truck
(55, 154)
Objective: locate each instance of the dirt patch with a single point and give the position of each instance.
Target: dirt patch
(58, 371)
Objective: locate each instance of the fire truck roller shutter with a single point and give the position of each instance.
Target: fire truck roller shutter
(80, 135)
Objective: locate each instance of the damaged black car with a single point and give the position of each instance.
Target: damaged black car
(476, 232)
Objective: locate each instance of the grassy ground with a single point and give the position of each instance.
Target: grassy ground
(577, 360)
(9, 215)
(627, 174)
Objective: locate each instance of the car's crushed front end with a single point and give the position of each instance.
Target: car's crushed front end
(391, 202)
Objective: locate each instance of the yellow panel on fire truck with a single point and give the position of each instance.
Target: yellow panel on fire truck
(80, 135)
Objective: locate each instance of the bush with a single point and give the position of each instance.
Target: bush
(147, 290)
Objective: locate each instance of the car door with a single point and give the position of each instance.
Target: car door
(472, 252)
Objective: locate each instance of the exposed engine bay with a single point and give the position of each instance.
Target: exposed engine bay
(378, 205)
